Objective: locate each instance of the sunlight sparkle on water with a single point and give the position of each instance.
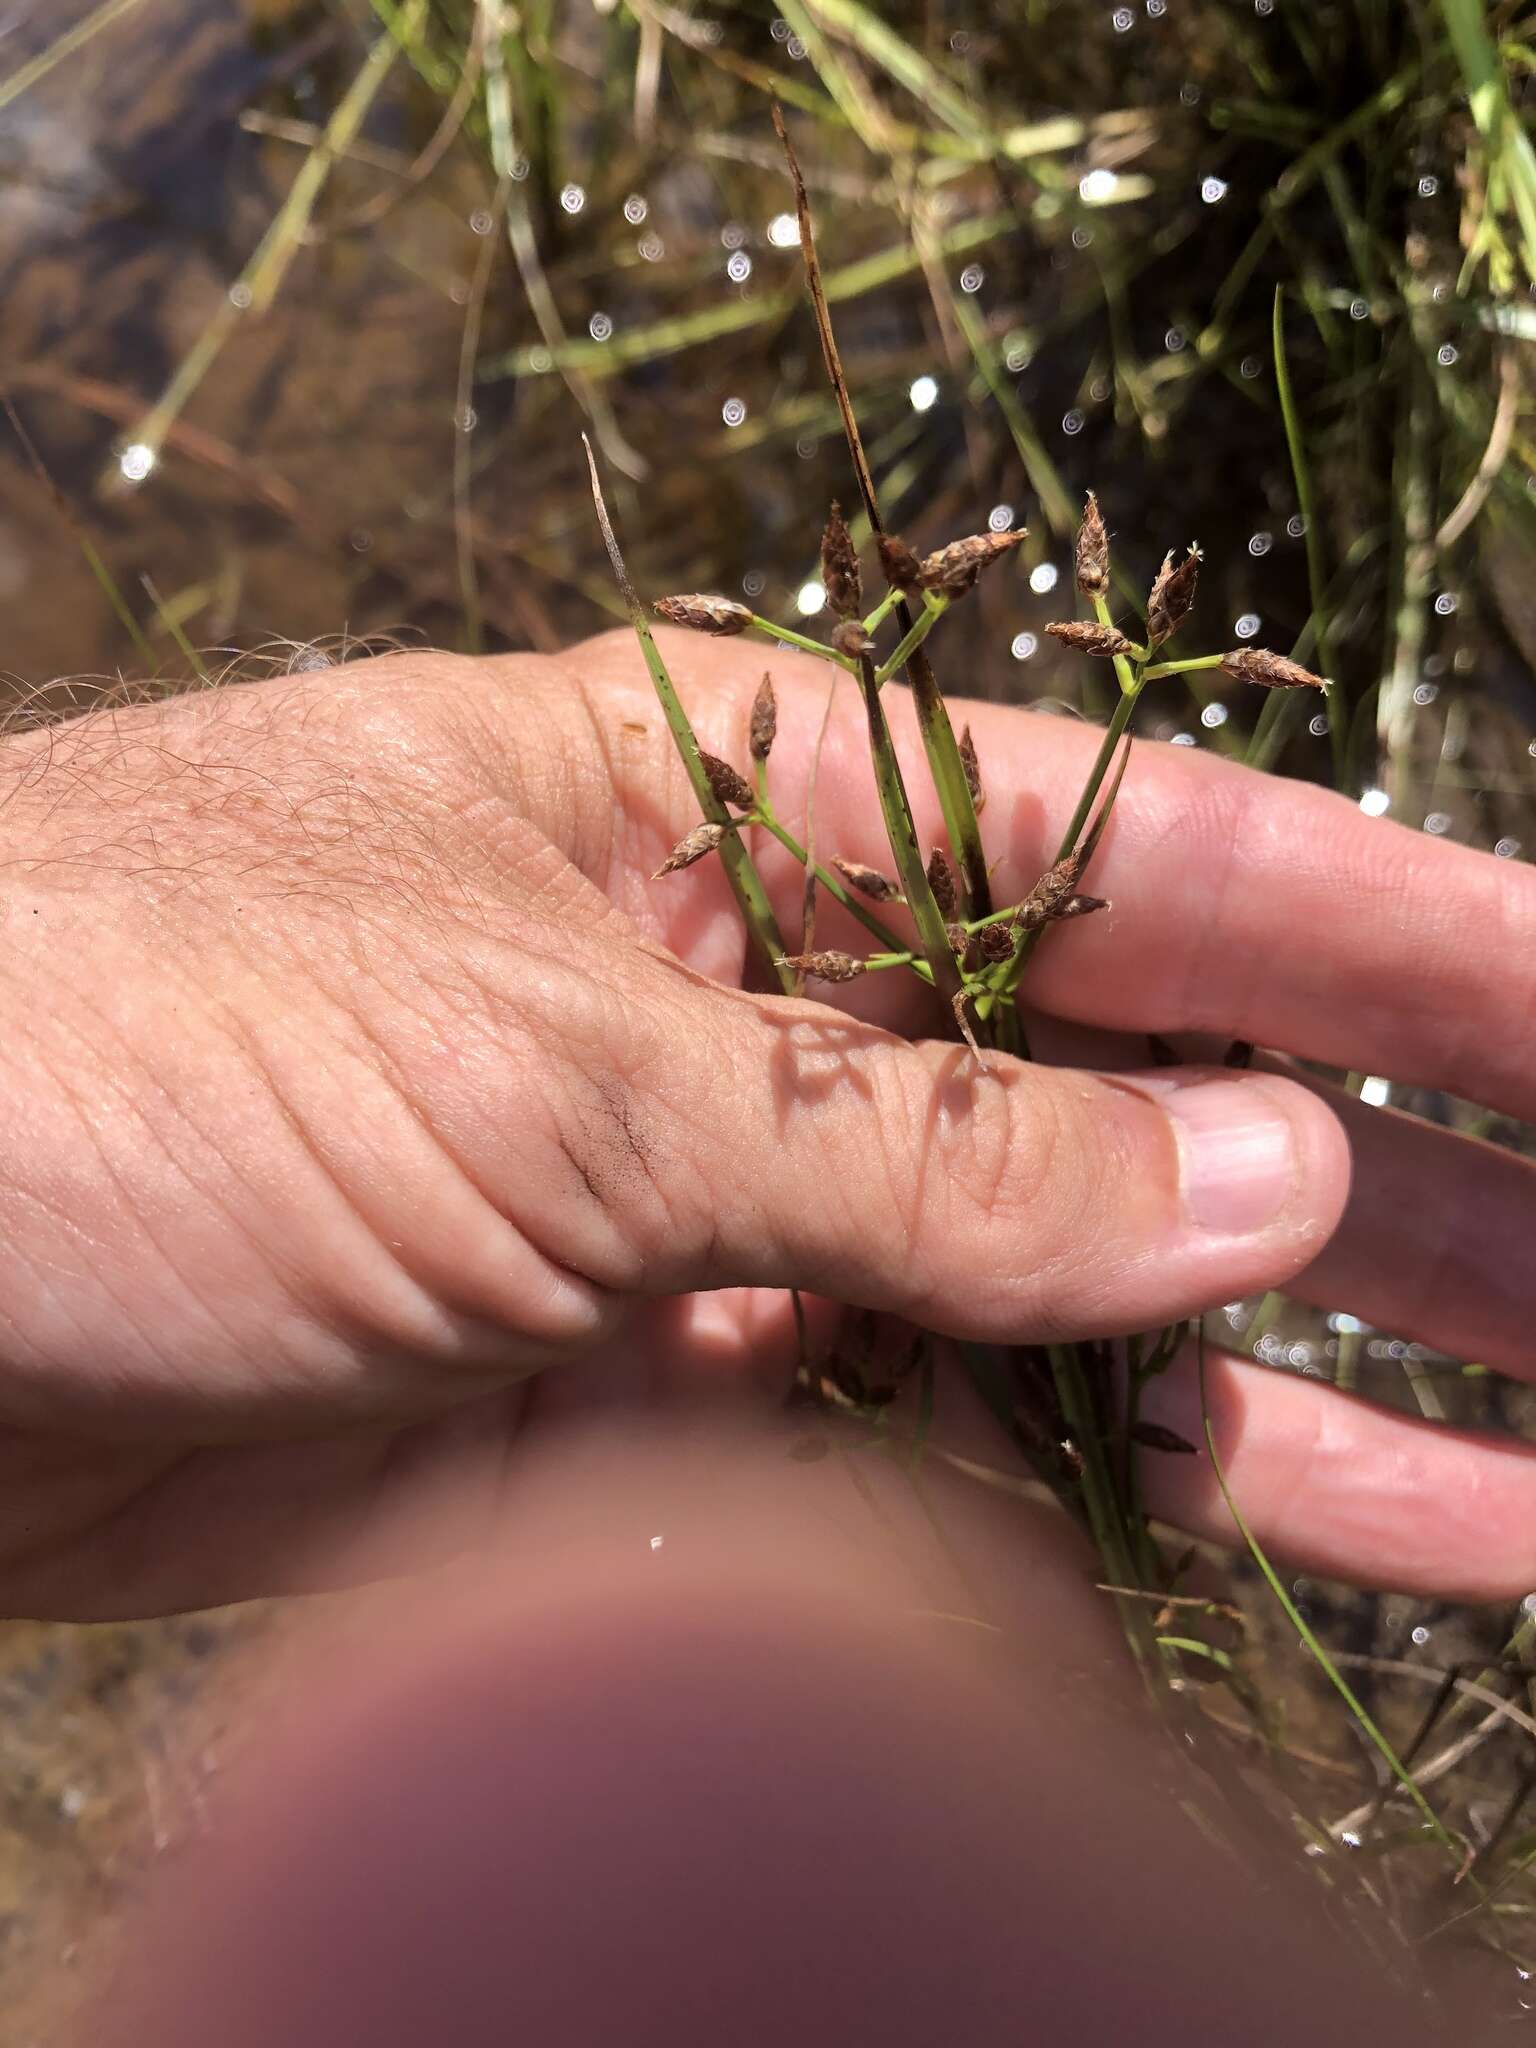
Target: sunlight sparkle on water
(1096, 188)
(809, 599)
(136, 461)
(924, 393)
(1043, 577)
(1376, 1089)
(1375, 802)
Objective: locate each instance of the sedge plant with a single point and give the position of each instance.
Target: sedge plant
(1073, 1409)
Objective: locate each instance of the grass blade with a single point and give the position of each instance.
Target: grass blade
(64, 46)
(1294, 1616)
(740, 869)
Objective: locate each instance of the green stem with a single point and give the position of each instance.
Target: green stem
(1101, 1499)
(948, 772)
(1179, 668)
(172, 625)
(1317, 582)
(768, 819)
(1011, 971)
(1124, 671)
(882, 610)
(740, 869)
(902, 834)
(934, 609)
(803, 641)
(1293, 1614)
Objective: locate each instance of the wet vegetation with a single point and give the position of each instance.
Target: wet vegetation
(309, 304)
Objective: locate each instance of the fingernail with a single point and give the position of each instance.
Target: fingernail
(1238, 1155)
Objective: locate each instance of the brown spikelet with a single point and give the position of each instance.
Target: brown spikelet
(840, 567)
(1156, 1438)
(703, 613)
(867, 881)
(701, 840)
(765, 720)
(1058, 884)
(728, 785)
(826, 966)
(1272, 671)
(1173, 596)
(1086, 636)
(995, 942)
(959, 940)
(941, 880)
(1055, 895)
(1091, 562)
(952, 571)
(902, 569)
(851, 639)
(972, 767)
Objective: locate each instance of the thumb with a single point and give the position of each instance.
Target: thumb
(759, 1141)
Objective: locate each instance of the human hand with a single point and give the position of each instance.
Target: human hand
(357, 1071)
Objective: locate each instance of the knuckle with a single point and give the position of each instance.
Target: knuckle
(635, 1202)
(1020, 1174)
